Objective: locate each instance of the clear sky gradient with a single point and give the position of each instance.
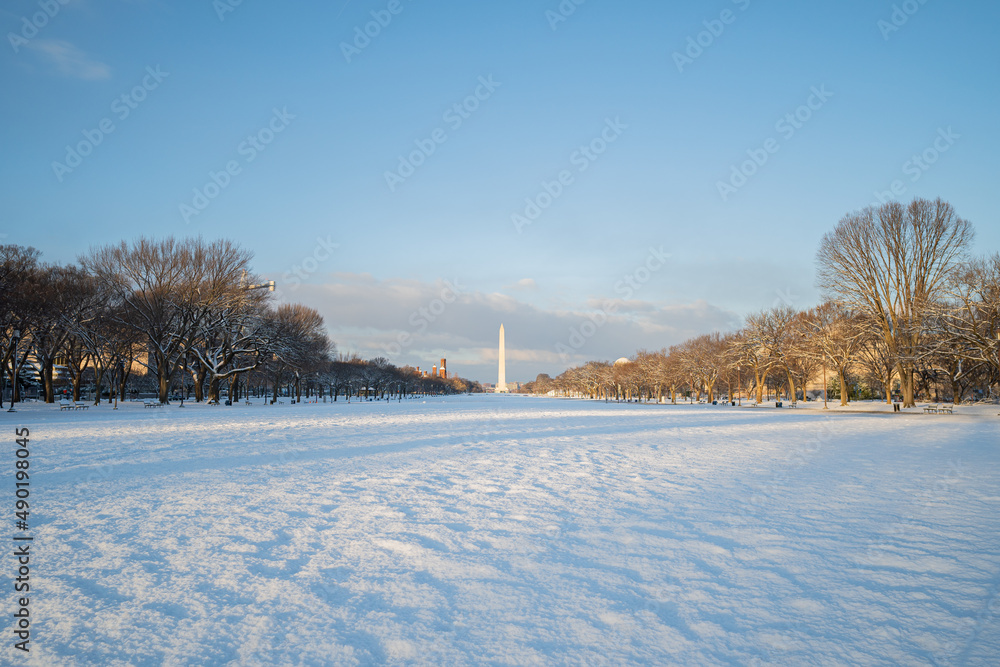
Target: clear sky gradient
(308, 135)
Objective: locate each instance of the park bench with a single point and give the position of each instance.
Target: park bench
(151, 403)
(80, 405)
(945, 409)
(65, 404)
(930, 408)
(753, 404)
(793, 404)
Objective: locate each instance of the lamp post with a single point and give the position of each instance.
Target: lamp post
(13, 368)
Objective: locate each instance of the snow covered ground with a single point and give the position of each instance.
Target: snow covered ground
(509, 530)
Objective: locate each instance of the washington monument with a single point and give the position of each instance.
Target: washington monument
(502, 373)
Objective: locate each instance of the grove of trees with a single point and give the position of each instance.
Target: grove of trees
(907, 313)
(174, 317)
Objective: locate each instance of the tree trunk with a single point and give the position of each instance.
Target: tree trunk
(213, 389)
(77, 381)
(163, 373)
(198, 376)
(98, 378)
(760, 387)
(47, 370)
(906, 385)
(843, 386)
(791, 388)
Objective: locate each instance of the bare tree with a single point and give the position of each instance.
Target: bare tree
(972, 314)
(299, 344)
(891, 262)
(837, 334)
(233, 337)
(774, 331)
(751, 347)
(18, 266)
(704, 358)
(875, 358)
(167, 289)
(112, 348)
(62, 296)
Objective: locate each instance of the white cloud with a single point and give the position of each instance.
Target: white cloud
(70, 60)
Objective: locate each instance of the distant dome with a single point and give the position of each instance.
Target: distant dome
(623, 361)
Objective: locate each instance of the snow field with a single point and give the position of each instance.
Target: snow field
(511, 530)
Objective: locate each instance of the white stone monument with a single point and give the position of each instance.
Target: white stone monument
(502, 374)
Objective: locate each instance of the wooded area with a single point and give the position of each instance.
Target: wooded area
(174, 318)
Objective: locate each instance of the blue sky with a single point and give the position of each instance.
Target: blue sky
(436, 256)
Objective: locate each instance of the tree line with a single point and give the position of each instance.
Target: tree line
(907, 313)
(183, 315)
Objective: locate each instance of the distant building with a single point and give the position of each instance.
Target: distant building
(436, 371)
